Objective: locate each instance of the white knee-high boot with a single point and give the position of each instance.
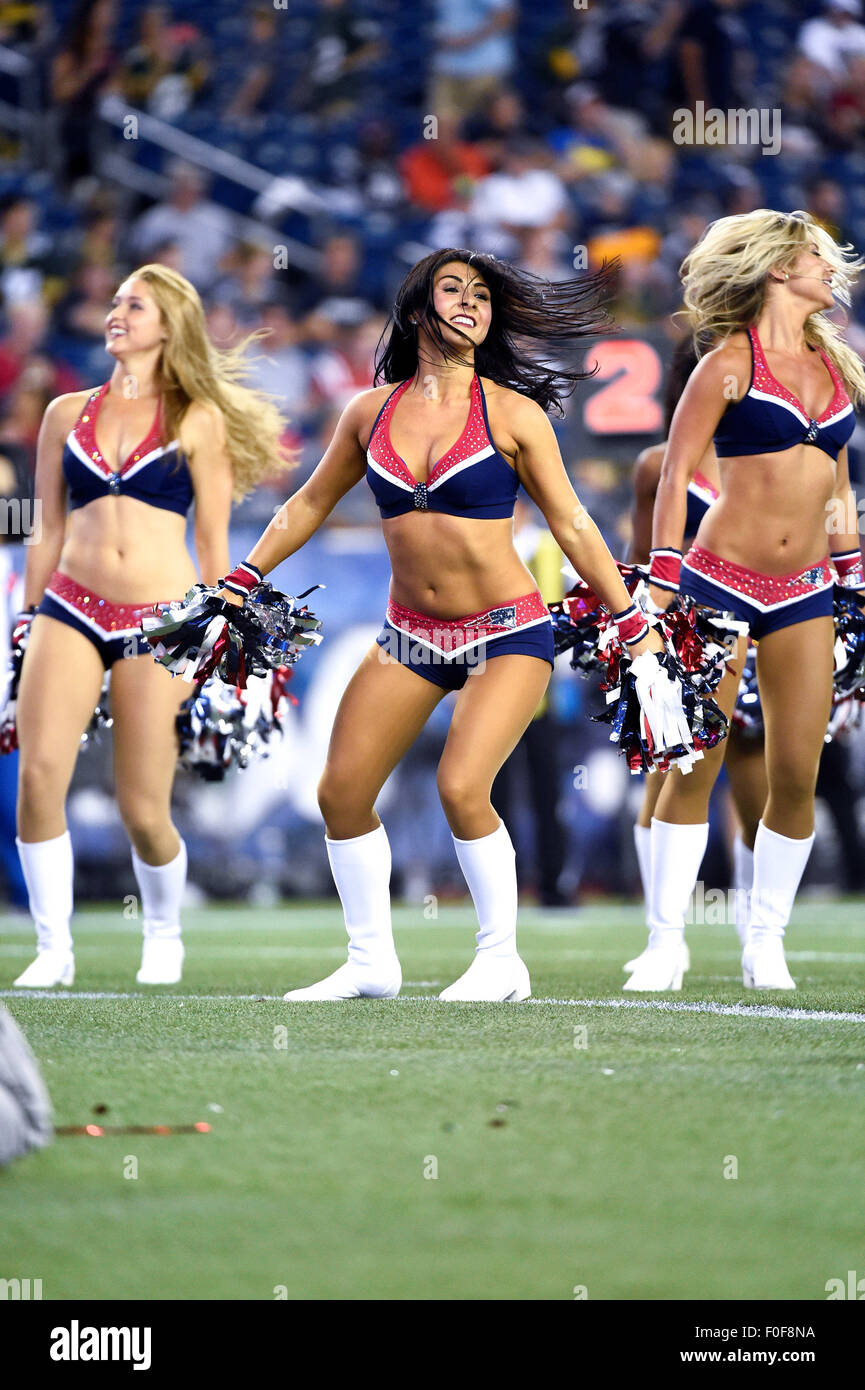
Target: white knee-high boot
(643, 846)
(496, 974)
(48, 870)
(161, 887)
(779, 864)
(743, 877)
(677, 853)
(361, 871)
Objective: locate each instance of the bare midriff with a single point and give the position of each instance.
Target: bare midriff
(450, 566)
(128, 551)
(772, 514)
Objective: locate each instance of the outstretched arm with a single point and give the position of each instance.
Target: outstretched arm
(542, 473)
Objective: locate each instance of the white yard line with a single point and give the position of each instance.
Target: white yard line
(728, 1010)
(845, 958)
(773, 1011)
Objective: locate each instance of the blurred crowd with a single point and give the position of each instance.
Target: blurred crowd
(293, 159)
(542, 134)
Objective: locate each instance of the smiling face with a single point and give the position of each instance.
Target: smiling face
(461, 297)
(810, 278)
(134, 322)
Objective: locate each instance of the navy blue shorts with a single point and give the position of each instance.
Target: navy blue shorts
(447, 651)
(113, 628)
(767, 602)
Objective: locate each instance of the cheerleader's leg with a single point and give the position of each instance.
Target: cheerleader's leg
(643, 846)
(795, 714)
(746, 769)
(492, 713)
(61, 681)
(381, 713)
(144, 704)
(680, 832)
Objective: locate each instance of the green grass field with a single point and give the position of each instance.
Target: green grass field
(558, 1166)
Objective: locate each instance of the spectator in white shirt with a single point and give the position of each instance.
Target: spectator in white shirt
(834, 37)
(201, 230)
(524, 193)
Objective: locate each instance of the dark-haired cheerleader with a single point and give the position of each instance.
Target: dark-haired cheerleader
(445, 445)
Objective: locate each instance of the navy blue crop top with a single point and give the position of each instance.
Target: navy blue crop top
(153, 473)
(471, 479)
(769, 418)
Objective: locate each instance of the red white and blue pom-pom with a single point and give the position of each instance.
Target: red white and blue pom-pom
(585, 628)
(221, 726)
(747, 715)
(658, 717)
(100, 720)
(660, 713)
(844, 717)
(19, 636)
(8, 728)
(849, 675)
(203, 635)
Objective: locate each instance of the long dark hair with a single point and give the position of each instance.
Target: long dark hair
(526, 309)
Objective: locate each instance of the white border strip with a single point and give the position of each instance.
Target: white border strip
(662, 1005)
(728, 1010)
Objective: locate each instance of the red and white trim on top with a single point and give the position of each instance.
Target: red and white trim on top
(764, 591)
(453, 636)
(82, 441)
(473, 445)
(700, 487)
(765, 387)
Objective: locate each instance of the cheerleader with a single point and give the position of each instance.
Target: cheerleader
(744, 759)
(444, 446)
(117, 471)
(776, 397)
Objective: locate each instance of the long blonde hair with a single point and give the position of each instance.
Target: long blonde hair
(191, 369)
(726, 279)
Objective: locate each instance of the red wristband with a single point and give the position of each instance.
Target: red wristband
(632, 625)
(851, 572)
(243, 579)
(664, 568)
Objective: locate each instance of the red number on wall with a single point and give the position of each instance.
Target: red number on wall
(627, 405)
